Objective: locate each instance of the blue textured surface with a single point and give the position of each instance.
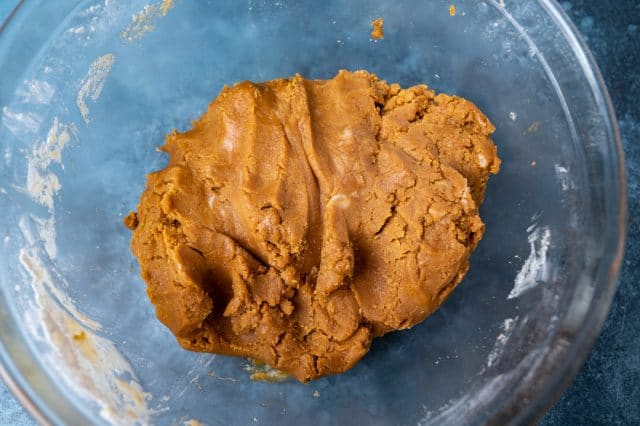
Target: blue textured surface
(607, 391)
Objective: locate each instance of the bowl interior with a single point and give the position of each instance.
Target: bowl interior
(90, 92)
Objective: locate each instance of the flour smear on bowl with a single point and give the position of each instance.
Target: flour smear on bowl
(88, 363)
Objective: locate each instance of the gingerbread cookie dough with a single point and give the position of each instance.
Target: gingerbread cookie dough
(299, 219)
(377, 29)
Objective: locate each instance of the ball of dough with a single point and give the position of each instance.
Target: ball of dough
(298, 219)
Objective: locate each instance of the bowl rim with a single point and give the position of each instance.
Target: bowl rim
(521, 408)
(20, 392)
(544, 394)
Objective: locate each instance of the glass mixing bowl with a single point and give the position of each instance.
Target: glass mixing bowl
(89, 89)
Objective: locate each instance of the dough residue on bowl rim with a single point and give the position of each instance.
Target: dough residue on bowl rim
(93, 83)
(86, 362)
(142, 21)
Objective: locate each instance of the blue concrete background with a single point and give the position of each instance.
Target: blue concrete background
(607, 390)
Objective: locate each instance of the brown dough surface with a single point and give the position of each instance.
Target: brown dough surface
(299, 219)
(377, 29)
